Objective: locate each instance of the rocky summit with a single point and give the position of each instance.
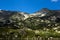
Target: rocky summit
(18, 19)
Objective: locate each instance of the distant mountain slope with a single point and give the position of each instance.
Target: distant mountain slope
(21, 19)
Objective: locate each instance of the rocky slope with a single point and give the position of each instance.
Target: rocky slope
(18, 19)
(15, 25)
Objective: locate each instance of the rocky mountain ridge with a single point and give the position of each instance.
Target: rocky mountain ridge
(18, 19)
(41, 13)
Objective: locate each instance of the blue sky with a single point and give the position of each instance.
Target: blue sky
(29, 6)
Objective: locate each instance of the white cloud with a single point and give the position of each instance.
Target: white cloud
(54, 0)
